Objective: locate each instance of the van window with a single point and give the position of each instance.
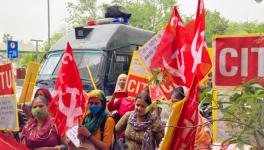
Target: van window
(50, 63)
(82, 58)
(122, 64)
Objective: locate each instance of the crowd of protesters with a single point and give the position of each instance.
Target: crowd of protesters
(124, 121)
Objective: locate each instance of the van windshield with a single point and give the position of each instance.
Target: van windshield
(83, 59)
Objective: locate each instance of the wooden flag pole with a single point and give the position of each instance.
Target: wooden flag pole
(91, 77)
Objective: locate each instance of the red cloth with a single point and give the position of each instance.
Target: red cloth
(170, 51)
(200, 64)
(46, 93)
(123, 105)
(198, 67)
(8, 143)
(68, 103)
(182, 50)
(184, 138)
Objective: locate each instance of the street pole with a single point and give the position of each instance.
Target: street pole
(37, 45)
(48, 23)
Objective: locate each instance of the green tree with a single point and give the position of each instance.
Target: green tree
(148, 14)
(215, 24)
(244, 28)
(6, 37)
(244, 114)
(55, 37)
(24, 59)
(81, 11)
(258, 1)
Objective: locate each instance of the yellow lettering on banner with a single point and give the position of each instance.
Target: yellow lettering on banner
(29, 82)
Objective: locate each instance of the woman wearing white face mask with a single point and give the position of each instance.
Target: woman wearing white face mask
(40, 131)
(142, 130)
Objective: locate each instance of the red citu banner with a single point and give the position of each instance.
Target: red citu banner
(6, 80)
(238, 59)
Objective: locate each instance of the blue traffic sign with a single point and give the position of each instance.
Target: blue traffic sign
(12, 49)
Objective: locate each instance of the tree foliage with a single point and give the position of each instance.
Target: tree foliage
(148, 14)
(244, 28)
(82, 10)
(258, 1)
(244, 113)
(24, 59)
(215, 24)
(54, 38)
(7, 37)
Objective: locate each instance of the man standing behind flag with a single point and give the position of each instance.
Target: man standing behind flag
(68, 103)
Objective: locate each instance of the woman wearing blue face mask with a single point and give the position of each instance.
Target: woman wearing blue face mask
(97, 128)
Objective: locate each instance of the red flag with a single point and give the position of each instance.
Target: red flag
(185, 131)
(200, 63)
(182, 50)
(169, 53)
(68, 103)
(196, 69)
(8, 143)
(155, 93)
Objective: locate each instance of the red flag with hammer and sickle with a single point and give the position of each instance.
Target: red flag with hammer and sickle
(68, 103)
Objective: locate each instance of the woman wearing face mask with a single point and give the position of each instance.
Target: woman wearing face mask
(40, 92)
(40, 131)
(97, 128)
(119, 106)
(142, 130)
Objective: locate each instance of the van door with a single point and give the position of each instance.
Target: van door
(119, 64)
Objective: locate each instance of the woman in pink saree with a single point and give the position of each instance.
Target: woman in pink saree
(40, 131)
